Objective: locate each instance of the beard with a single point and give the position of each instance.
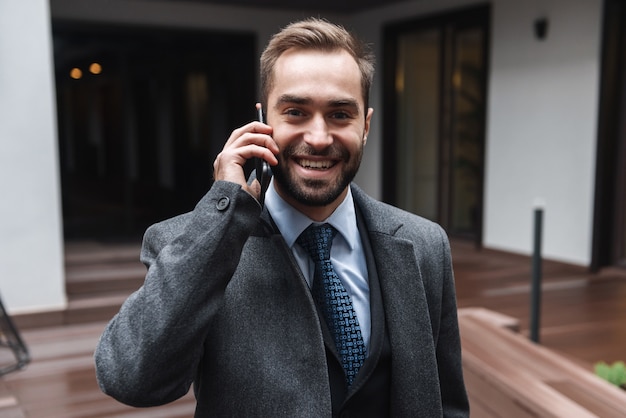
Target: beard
(313, 192)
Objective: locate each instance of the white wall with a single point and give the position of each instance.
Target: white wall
(541, 123)
(543, 105)
(31, 267)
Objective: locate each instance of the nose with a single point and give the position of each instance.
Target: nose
(317, 134)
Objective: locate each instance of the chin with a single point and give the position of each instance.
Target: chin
(315, 192)
(312, 192)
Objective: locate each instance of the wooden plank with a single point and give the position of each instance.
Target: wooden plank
(599, 405)
(517, 378)
(9, 405)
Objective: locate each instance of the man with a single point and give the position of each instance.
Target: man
(263, 324)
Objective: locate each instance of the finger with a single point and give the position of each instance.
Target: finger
(228, 164)
(250, 145)
(250, 128)
(240, 154)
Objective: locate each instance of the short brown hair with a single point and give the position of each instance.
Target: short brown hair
(318, 34)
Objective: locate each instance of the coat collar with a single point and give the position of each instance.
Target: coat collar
(375, 214)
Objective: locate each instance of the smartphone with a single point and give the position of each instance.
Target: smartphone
(263, 170)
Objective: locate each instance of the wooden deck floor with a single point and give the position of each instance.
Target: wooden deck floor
(583, 316)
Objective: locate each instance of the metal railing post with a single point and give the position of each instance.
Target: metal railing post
(535, 306)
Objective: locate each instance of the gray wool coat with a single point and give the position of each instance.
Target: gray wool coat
(224, 307)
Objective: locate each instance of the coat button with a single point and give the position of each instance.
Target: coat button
(223, 203)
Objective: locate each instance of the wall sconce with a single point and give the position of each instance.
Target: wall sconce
(541, 28)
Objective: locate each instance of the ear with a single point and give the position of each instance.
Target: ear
(368, 119)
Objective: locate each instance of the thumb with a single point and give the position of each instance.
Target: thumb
(254, 188)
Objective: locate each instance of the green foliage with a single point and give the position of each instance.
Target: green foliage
(614, 373)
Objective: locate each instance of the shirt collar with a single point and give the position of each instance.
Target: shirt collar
(292, 222)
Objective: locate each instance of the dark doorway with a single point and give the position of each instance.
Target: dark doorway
(435, 79)
(142, 114)
(609, 237)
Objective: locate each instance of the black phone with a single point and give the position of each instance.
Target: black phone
(263, 170)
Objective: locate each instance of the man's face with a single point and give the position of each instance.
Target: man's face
(316, 110)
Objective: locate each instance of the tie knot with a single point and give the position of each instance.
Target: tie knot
(317, 240)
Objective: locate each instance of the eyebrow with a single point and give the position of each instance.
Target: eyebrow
(303, 100)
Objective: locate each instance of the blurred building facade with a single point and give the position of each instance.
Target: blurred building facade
(483, 112)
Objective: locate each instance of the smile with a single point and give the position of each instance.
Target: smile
(316, 165)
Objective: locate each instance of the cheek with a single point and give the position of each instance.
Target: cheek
(356, 142)
(282, 136)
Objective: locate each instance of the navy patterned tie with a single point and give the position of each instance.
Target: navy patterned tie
(333, 299)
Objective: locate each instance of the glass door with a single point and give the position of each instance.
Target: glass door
(142, 114)
(418, 73)
(463, 161)
(435, 101)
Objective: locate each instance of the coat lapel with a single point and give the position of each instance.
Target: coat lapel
(414, 367)
(281, 294)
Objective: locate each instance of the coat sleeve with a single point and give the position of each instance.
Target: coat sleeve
(149, 352)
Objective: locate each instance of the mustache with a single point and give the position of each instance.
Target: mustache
(333, 151)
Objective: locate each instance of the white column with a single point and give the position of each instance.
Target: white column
(31, 240)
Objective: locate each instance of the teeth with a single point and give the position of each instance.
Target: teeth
(316, 164)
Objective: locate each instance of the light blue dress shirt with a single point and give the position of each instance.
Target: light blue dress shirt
(346, 254)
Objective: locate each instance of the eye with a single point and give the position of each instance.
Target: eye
(341, 115)
(293, 112)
